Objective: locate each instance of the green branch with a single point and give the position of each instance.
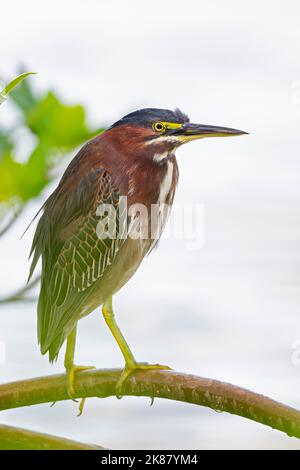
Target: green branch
(171, 385)
(12, 438)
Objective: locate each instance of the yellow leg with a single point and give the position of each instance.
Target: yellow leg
(131, 365)
(72, 369)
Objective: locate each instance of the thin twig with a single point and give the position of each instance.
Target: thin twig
(20, 293)
(15, 215)
(12, 438)
(171, 385)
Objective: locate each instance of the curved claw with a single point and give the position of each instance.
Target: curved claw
(70, 372)
(81, 406)
(131, 368)
(151, 401)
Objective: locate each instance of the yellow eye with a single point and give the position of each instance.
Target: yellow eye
(158, 127)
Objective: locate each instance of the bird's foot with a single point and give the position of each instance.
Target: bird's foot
(132, 367)
(71, 372)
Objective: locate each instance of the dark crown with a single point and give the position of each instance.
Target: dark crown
(145, 117)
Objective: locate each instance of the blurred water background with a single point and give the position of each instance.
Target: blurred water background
(229, 310)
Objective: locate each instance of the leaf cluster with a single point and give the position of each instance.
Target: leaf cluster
(54, 128)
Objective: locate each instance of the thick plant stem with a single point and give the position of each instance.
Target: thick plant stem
(219, 396)
(12, 438)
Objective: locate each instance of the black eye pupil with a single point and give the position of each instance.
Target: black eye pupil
(159, 126)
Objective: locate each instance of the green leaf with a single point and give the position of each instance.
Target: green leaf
(13, 84)
(6, 144)
(24, 97)
(23, 181)
(58, 125)
(35, 177)
(10, 175)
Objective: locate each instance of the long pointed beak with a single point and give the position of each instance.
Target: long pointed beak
(189, 131)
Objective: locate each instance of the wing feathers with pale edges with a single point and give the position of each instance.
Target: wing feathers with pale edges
(73, 255)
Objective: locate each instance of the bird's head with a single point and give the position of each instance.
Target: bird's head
(158, 132)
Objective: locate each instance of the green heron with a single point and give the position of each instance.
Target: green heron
(81, 269)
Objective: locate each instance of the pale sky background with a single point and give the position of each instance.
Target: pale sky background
(230, 310)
